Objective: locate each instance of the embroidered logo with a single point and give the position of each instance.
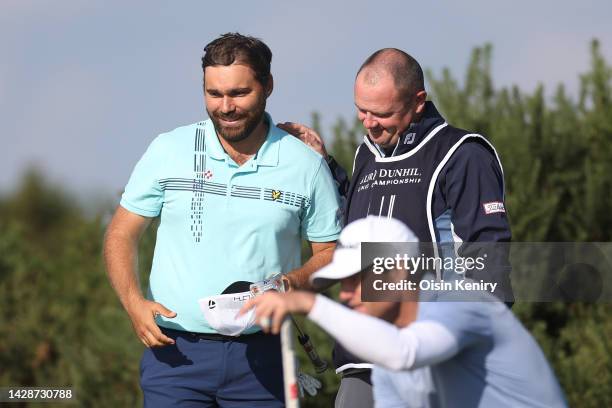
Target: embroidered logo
(409, 138)
(208, 175)
(493, 207)
(276, 195)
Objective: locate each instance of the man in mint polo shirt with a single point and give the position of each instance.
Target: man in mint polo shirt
(235, 196)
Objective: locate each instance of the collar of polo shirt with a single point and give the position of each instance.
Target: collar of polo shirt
(267, 155)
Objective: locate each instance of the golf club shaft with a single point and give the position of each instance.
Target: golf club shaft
(289, 366)
(319, 364)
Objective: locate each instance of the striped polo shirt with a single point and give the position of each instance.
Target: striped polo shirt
(220, 222)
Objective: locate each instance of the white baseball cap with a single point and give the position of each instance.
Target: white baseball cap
(347, 256)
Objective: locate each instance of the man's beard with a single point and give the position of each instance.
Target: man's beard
(238, 134)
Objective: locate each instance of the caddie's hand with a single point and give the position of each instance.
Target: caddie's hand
(142, 313)
(306, 135)
(272, 307)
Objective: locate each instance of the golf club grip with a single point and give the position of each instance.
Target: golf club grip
(319, 364)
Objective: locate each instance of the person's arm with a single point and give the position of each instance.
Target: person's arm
(340, 176)
(473, 188)
(121, 257)
(381, 343)
(320, 225)
(373, 340)
(472, 179)
(315, 142)
(321, 255)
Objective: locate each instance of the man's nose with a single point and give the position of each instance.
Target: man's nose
(227, 105)
(369, 122)
(347, 289)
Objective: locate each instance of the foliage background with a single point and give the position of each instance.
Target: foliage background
(61, 324)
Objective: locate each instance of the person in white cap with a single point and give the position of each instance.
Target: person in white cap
(478, 353)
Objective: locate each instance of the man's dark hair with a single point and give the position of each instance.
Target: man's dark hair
(232, 48)
(403, 68)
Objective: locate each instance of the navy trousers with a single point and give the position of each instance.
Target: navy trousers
(240, 372)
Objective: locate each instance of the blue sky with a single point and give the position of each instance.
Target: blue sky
(85, 86)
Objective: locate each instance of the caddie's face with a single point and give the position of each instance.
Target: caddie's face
(350, 294)
(235, 100)
(383, 110)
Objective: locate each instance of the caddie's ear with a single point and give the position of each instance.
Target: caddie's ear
(269, 86)
(419, 100)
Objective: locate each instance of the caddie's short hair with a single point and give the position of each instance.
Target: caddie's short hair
(233, 48)
(406, 72)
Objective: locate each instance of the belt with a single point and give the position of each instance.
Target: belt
(210, 336)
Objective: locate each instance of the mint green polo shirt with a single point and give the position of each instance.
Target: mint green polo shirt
(220, 222)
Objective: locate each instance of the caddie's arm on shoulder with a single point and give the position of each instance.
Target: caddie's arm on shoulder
(307, 135)
(313, 140)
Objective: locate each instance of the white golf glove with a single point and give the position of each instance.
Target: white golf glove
(308, 383)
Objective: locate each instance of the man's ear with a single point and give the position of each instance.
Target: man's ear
(420, 99)
(269, 86)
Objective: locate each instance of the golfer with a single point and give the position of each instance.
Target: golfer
(235, 195)
(478, 353)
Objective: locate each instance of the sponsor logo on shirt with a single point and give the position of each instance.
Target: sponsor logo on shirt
(276, 195)
(368, 177)
(212, 304)
(493, 207)
(409, 138)
(387, 177)
(395, 173)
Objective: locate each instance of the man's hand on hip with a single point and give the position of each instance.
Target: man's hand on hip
(142, 313)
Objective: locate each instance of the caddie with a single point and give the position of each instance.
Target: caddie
(444, 182)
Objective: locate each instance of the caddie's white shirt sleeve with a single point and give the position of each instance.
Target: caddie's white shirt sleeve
(419, 344)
